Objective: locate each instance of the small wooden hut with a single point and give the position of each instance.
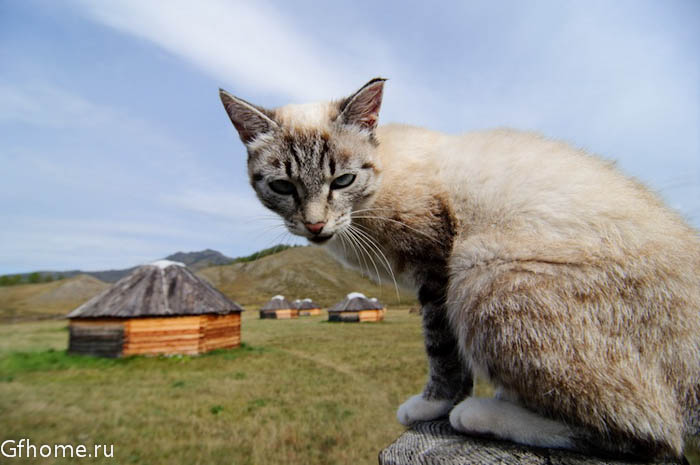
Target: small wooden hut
(355, 307)
(160, 308)
(307, 307)
(279, 308)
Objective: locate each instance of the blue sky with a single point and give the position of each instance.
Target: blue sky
(114, 148)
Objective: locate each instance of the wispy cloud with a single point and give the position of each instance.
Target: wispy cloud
(243, 42)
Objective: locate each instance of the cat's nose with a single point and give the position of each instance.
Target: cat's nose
(314, 228)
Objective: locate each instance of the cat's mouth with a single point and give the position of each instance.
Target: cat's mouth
(320, 239)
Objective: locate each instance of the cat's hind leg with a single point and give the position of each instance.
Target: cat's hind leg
(507, 420)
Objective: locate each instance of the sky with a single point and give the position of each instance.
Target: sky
(115, 149)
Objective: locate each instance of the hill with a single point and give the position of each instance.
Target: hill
(201, 259)
(194, 260)
(297, 273)
(47, 300)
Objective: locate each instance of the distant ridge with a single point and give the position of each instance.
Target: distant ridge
(202, 259)
(295, 272)
(194, 260)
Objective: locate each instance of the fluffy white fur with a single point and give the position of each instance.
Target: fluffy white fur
(419, 409)
(506, 420)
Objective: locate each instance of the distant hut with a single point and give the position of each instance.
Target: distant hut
(358, 308)
(160, 308)
(280, 308)
(307, 307)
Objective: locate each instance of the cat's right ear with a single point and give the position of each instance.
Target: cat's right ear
(249, 120)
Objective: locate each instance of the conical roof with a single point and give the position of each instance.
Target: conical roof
(356, 301)
(305, 304)
(278, 302)
(161, 288)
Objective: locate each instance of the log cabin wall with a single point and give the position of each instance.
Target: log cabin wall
(186, 335)
(354, 316)
(219, 332)
(310, 312)
(162, 335)
(104, 337)
(282, 314)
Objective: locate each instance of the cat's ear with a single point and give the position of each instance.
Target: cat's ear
(362, 107)
(250, 120)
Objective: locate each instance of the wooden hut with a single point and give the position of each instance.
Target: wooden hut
(355, 307)
(307, 307)
(160, 308)
(279, 308)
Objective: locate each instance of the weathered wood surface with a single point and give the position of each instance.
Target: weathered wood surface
(356, 304)
(436, 443)
(103, 341)
(189, 335)
(154, 291)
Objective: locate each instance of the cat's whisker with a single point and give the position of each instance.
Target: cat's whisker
(361, 251)
(354, 249)
(342, 242)
(401, 223)
(367, 250)
(359, 229)
(276, 241)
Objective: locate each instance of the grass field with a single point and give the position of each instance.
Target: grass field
(298, 392)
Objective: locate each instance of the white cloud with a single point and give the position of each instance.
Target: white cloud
(260, 50)
(241, 42)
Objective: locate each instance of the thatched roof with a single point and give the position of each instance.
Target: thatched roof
(356, 301)
(162, 288)
(278, 302)
(305, 304)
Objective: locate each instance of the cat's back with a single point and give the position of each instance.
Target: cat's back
(538, 191)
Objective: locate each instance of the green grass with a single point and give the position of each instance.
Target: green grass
(297, 392)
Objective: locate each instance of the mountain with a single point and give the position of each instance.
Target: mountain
(297, 273)
(202, 259)
(194, 260)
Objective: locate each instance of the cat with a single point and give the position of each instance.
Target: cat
(540, 268)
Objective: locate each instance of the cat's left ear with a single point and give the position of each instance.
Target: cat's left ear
(250, 120)
(362, 108)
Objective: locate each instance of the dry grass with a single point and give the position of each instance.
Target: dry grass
(298, 273)
(299, 392)
(46, 300)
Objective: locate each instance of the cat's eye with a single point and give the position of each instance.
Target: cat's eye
(282, 187)
(343, 181)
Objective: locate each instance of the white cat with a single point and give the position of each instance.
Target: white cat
(569, 286)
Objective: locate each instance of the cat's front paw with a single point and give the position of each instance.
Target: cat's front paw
(419, 409)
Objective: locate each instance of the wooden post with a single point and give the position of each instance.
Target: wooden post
(436, 443)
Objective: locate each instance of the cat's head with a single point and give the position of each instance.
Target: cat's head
(312, 164)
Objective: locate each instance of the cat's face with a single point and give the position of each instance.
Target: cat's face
(312, 164)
